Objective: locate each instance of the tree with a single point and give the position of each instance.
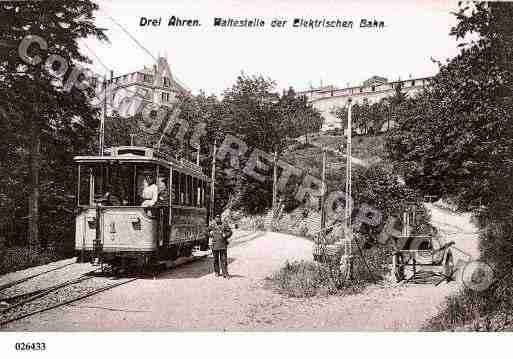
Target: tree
(40, 111)
(455, 140)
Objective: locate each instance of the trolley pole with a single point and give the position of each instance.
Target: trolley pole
(213, 180)
(323, 195)
(275, 179)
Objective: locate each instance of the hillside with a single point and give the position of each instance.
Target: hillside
(366, 150)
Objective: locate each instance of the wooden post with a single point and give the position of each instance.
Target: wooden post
(323, 196)
(275, 179)
(170, 217)
(349, 208)
(102, 119)
(213, 180)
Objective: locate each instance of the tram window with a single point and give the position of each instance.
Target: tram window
(119, 184)
(191, 191)
(182, 188)
(194, 192)
(86, 173)
(163, 186)
(176, 187)
(203, 189)
(186, 190)
(91, 183)
(198, 191)
(203, 193)
(140, 180)
(206, 195)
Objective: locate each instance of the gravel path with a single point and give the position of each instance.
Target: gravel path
(190, 297)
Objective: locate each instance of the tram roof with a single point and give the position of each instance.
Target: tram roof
(150, 157)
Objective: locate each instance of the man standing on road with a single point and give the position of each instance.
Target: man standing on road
(220, 233)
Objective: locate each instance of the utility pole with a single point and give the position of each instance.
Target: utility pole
(102, 119)
(349, 206)
(275, 179)
(213, 181)
(323, 195)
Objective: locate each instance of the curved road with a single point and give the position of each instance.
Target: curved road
(190, 297)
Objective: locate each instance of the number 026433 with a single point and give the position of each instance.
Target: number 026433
(36, 346)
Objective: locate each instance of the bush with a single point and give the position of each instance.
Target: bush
(491, 309)
(303, 279)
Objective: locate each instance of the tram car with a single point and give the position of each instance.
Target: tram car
(138, 207)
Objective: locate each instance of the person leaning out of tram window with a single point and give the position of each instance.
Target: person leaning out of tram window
(150, 193)
(164, 192)
(220, 233)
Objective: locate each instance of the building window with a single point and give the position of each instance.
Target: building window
(167, 82)
(413, 82)
(373, 88)
(165, 96)
(361, 89)
(147, 78)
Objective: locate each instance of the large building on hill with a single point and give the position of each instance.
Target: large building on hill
(129, 93)
(328, 98)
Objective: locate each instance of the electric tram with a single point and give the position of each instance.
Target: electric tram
(117, 223)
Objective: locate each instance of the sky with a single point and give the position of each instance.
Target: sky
(210, 58)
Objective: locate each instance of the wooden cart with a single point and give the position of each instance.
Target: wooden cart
(428, 261)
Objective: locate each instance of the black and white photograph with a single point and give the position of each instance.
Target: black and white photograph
(263, 167)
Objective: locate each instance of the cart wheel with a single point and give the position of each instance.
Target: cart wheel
(449, 267)
(398, 267)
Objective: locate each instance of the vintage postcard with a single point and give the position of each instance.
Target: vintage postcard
(254, 166)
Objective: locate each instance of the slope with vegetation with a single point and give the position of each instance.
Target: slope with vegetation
(455, 141)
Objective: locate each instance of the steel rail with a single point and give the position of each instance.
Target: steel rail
(19, 281)
(66, 302)
(43, 292)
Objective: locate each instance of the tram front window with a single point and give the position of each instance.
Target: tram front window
(118, 190)
(112, 185)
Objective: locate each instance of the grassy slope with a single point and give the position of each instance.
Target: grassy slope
(369, 149)
(308, 158)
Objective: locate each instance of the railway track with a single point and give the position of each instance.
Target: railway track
(39, 300)
(20, 306)
(3, 287)
(56, 296)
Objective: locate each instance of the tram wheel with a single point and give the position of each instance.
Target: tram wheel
(186, 251)
(204, 246)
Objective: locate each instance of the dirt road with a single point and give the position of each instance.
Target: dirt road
(192, 298)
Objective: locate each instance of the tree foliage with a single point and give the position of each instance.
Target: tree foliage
(455, 140)
(45, 125)
(369, 119)
(254, 112)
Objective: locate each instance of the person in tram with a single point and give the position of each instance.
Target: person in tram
(164, 192)
(150, 193)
